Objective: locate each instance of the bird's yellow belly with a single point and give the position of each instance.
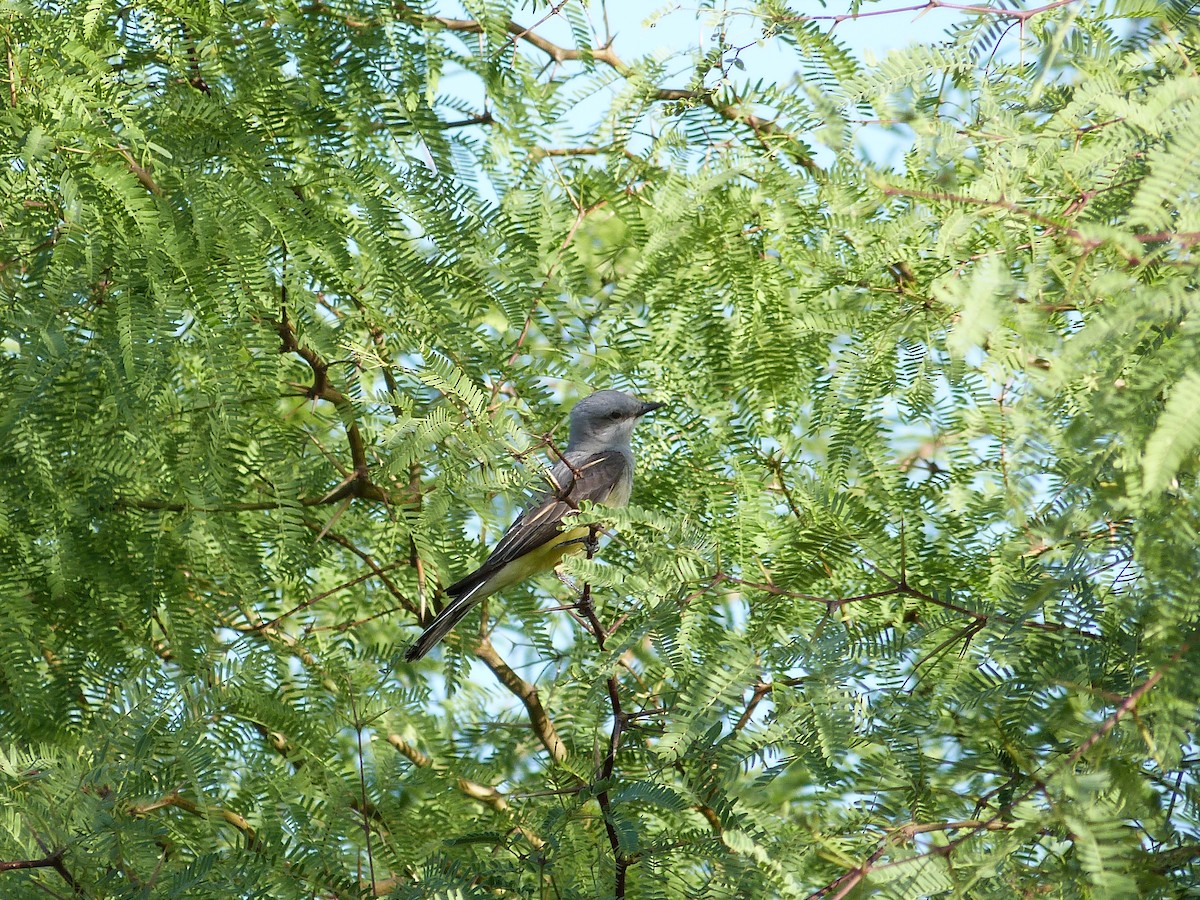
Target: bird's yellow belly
(570, 541)
(540, 559)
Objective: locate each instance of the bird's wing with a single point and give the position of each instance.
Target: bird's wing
(592, 478)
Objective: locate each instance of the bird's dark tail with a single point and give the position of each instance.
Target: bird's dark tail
(465, 594)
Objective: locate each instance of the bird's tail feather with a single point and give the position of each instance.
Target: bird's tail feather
(453, 613)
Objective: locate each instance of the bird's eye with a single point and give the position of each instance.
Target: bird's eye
(614, 415)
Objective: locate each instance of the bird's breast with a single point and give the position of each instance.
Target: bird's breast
(619, 495)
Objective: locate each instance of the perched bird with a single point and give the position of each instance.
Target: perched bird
(597, 466)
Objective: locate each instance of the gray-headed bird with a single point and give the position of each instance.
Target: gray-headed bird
(597, 466)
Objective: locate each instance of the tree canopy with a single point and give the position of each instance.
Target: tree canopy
(294, 298)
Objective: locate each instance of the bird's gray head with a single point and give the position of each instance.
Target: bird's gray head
(605, 419)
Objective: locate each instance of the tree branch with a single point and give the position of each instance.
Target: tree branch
(1183, 238)
(174, 799)
(484, 118)
(50, 861)
(360, 485)
(621, 861)
(539, 153)
(555, 51)
(140, 172)
(764, 129)
(480, 793)
(178, 506)
(379, 571)
(901, 587)
(761, 689)
(527, 693)
(47, 244)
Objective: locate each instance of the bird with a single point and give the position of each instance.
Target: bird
(597, 465)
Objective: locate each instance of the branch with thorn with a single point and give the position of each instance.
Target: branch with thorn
(53, 860)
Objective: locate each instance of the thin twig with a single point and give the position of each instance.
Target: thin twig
(140, 172)
(360, 485)
(317, 598)
(620, 859)
(362, 782)
(1022, 15)
(765, 129)
(379, 571)
(1183, 238)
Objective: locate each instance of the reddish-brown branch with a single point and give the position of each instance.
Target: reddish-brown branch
(1183, 238)
(379, 571)
(555, 51)
(47, 244)
(357, 482)
(360, 485)
(379, 339)
(588, 610)
(315, 599)
(764, 129)
(621, 860)
(50, 861)
(196, 79)
(761, 689)
(355, 623)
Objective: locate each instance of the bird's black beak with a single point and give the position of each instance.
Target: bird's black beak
(649, 408)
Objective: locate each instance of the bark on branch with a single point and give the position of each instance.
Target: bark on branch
(190, 807)
(359, 484)
(527, 693)
(50, 861)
